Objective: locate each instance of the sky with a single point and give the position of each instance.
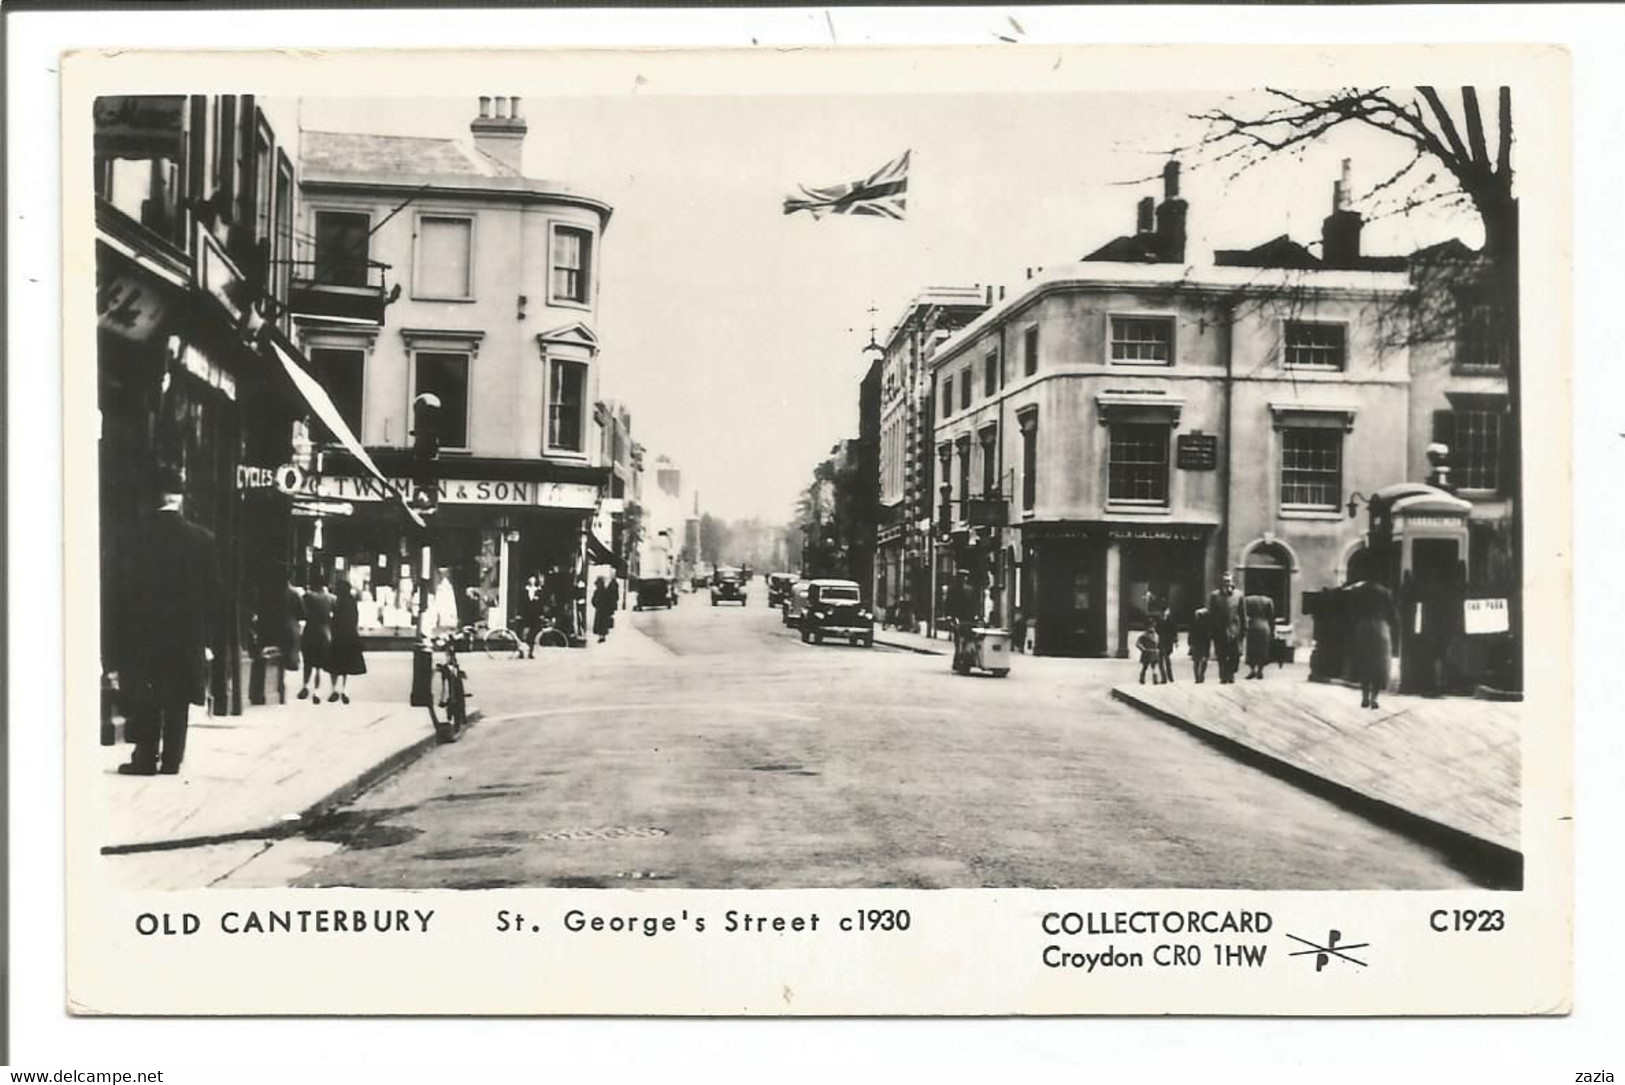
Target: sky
(734, 333)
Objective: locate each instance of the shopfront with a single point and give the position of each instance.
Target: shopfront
(1089, 588)
(488, 536)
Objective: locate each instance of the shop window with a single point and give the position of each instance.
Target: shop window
(1316, 346)
(1142, 340)
(1029, 350)
(1268, 572)
(342, 372)
(1029, 460)
(444, 266)
(1311, 468)
(1476, 449)
(341, 247)
(445, 374)
(572, 265)
(1137, 466)
(566, 405)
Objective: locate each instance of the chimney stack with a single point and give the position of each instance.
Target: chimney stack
(1340, 232)
(1171, 218)
(499, 131)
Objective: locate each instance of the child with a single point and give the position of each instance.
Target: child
(1150, 656)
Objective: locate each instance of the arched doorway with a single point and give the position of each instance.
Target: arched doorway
(1267, 571)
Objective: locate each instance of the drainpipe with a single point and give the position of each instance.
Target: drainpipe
(1229, 437)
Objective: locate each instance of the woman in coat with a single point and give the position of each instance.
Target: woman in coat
(344, 656)
(317, 637)
(1375, 621)
(605, 598)
(1258, 611)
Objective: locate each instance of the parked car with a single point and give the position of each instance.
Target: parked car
(728, 585)
(795, 602)
(835, 609)
(778, 588)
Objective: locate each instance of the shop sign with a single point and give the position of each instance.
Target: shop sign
(284, 477)
(1197, 452)
(127, 306)
(987, 511)
(1486, 616)
(1153, 532)
(140, 126)
(522, 494)
(218, 276)
(208, 371)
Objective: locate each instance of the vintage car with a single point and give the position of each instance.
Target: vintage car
(728, 585)
(795, 602)
(778, 588)
(835, 609)
(655, 592)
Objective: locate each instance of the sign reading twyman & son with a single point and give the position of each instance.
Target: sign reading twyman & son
(454, 491)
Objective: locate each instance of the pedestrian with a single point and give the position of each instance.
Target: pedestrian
(1201, 640)
(1167, 641)
(530, 612)
(317, 638)
(1150, 655)
(171, 598)
(344, 656)
(1375, 624)
(1225, 620)
(605, 598)
(963, 614)
(1259, 613)
(293, 610)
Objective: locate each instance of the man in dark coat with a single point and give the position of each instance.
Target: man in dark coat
(1375, 623)
(172, 596)
(1225, 620)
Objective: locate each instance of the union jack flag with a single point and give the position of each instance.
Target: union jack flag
(884, 193)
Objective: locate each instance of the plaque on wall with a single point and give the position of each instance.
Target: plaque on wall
(1198, 451)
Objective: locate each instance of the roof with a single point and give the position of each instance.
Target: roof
(1127, 249)
(344, 159)
(365, 153)
(1279, 251)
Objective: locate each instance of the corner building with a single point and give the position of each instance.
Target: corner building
(1130, 426)
(492, 288)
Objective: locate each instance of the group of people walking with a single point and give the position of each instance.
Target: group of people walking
(1232, 627)
(325, 627)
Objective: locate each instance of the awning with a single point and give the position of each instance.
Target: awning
(599, 554)
(322, 404)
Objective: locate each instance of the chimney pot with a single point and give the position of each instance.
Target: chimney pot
(1170, 181)
(1143, 212)
(485, 106)
(513, 104)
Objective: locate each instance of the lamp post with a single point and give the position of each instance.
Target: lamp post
(425, 500)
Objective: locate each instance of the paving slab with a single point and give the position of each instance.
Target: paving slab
(1451, 762)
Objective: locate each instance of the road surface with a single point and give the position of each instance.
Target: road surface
(708, 747)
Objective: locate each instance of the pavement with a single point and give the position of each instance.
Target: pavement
(1449, 765)
(270, 770)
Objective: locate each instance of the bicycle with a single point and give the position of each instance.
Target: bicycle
(548, 635)
(448, 695)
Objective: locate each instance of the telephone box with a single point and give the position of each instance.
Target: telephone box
(1418, 548)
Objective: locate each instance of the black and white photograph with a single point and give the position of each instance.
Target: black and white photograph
(583, 487)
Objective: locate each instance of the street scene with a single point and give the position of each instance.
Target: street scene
(1143, 513)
